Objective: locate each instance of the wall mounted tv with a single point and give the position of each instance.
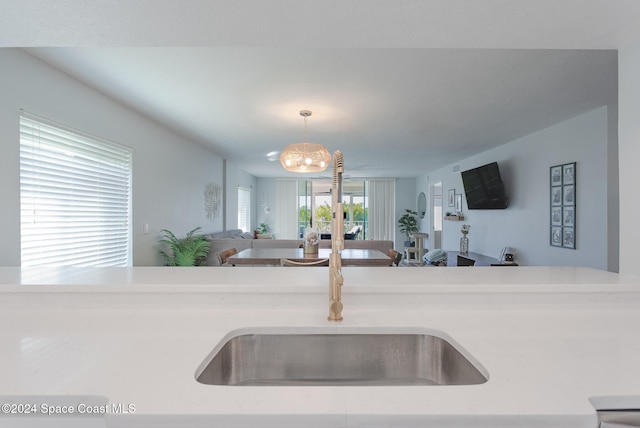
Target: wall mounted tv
(484, 189)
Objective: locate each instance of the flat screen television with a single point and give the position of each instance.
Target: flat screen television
(484, 189)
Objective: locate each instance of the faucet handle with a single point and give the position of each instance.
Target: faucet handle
(335, 311)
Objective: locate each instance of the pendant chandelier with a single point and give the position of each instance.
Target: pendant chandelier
(305, 156)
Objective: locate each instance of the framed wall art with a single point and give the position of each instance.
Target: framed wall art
(458, 203)
(562, 203)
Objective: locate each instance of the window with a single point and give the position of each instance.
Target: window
(244, 209)
(75, 197)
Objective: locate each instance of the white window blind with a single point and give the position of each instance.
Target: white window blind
(244, 209)
(75, 197)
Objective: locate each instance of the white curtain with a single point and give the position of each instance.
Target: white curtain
(382, 209)
(286, 209)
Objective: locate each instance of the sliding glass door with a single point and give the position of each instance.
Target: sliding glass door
(314, 206)
(355, 202)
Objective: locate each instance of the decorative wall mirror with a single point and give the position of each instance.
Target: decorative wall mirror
(422, 205)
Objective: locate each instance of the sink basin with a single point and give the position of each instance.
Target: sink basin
(321, 358)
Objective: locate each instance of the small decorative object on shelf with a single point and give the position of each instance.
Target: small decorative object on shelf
(453, 217)
(464, 241)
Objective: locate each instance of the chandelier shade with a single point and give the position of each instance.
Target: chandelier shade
(305, 156)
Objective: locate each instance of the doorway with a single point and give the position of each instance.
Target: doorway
(435, 192)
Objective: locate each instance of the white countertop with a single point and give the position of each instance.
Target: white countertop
(551, 339)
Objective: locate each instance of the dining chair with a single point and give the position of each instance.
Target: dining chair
(287, 262)
(223, 256)
(395, 257)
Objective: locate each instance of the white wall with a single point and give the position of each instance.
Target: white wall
(524, 166)
(169, 172)
(629, 155)
(266, 192)
(236, 177)
(613, 191)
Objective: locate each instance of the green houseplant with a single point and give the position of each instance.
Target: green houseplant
(192, 250)
(408, 224)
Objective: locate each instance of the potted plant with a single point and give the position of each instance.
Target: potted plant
(408, 224)
(192, 250)
(262, 231)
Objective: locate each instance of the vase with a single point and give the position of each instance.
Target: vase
(464, 245)
(310, 245)
(310, 249)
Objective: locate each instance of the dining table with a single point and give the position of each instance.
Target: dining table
(272, 256)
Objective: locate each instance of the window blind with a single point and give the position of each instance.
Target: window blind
(75, 197)
(244, 206)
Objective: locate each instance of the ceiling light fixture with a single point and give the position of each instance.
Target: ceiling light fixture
(305, 156)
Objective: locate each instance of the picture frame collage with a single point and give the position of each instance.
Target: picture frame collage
(563, 205)
(455, 200)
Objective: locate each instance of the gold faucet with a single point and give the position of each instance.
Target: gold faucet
(337, 241)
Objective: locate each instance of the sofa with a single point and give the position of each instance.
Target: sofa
(239, 240)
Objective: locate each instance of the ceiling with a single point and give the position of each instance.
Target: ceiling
(401, 87)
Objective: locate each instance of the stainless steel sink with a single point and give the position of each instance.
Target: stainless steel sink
(337, 359)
